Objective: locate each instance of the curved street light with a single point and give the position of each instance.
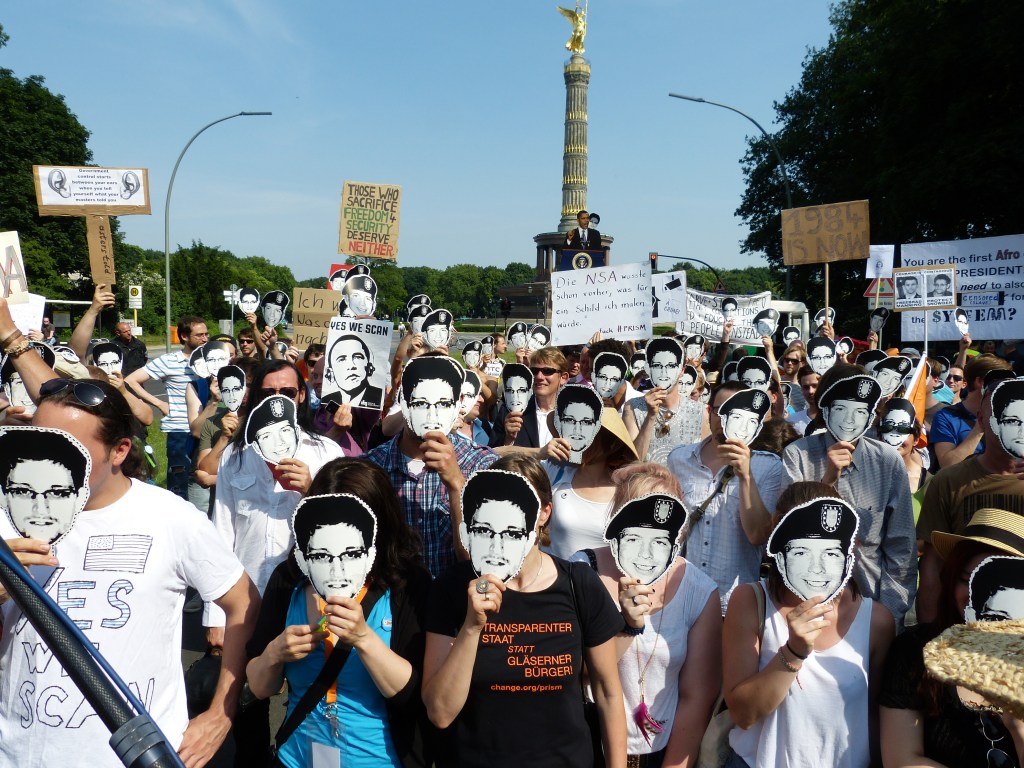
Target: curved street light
(775, 149)
(167, 217)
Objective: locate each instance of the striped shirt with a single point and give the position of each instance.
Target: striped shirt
(172, 369)
(424, 497)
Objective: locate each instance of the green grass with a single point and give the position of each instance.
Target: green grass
(158, 441)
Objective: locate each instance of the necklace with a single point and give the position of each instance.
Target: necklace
(539, 570)
(642, 715)
(663, 417)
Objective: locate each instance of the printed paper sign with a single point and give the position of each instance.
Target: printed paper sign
(356, 371)
(879, 263)
(921, 287)
(983, 265)
(825, 233)
(668, 293)
(706, 314)
(28, 316)
(13, 280)
(615, 300)
(369, 220)
(76, 191)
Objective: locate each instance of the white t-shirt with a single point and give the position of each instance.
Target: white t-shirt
(543, 433)
(576, 523)
(122, 578)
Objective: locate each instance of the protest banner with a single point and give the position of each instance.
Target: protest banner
(705, 315)
(369, 220)
(614, 300)
(991, 267)
(13, 280)
(312, 312)
(356, 370)
(931, 287)
(101, 249)
(28, 316)
(668, 291)
(818, 234)
(75, 191)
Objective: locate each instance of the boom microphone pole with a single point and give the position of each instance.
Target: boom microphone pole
(135, 738)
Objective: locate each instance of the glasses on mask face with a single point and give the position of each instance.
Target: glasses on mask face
(423, 405)
(995, 757)
(512, 534)
(569, 421)
(290, 392)
(23, 493)
(900, 429)
(348, 556)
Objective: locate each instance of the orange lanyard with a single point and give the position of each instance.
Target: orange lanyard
(332, 692)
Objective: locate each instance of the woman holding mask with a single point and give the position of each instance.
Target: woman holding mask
(671, 652)
(816, 627)
(371, 713)
(502, 670)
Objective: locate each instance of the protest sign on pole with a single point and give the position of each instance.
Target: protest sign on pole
(932, 287)
(668, 293)
(614, 300)
(990, 279)
(706, 314)
(101, 249)
(879, 263)
(13, 280)
(369, 220)
(818, 234)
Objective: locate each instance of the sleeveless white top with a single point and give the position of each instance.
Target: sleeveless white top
(576, 523)
(824, 723)
(661, 680)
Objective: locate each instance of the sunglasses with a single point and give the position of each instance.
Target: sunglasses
(902, 429)
(247, 341)
(545, 371)
(793, 360)
(954, 379)
(83, 392)
(266, 392)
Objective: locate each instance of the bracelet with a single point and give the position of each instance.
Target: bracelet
(789, 667)
(634, 631)
(794, 653)
(6, 341)
(19, 349)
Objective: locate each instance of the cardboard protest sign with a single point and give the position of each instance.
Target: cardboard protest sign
(198, 364)
(335, 543)
(470, 389)
(819, 234)
(987, 280)
(995, 591)
(878, 318)
(272, 429)
(231, 384)
(880, 261)
(755, 372)
(216, 354)
(614, 300)
(707, 313)
(312, 312)
(77, 191)
(813, 547)
(743, 414)
(665, 361)
(790, 334)
(500, 510)
(360, 294)
(431, 390)
(417, 315)
(249, 300)
(518, 335)
(668, 295)
(540, 336)
(438, 328)
(356, 367)
(766, 322)
(44, 480)
(891, 372)
(471, 354)
(13, 280)
(370, 219)
(644, 536)
(848, 406)
(106, 356)
(821, 354)
(578, 418)
(273, 307)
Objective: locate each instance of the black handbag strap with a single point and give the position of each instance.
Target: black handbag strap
(329, 673)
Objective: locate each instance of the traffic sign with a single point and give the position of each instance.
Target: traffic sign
(719, 287)
(231, 297)
(887, 289)
(883, 301)
(134, 297)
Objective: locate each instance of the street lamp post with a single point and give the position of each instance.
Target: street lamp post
(167, 217)
(775, 149)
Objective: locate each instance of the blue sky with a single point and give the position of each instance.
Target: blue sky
(460, 103)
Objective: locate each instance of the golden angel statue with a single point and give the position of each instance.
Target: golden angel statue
(578, 18)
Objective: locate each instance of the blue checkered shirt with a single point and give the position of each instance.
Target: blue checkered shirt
(424, 497)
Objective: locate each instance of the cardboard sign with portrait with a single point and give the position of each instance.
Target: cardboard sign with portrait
(500, 510)
(932, 287)
(335, 543)
(578, 418)
(357, 365)
(431, 391)
(644, 536)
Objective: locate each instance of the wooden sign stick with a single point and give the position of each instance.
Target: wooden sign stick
(826, 294)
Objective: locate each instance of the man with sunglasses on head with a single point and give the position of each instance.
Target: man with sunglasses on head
(173, 370)
(121, 572)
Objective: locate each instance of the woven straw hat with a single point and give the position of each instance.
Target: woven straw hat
(995, 527)
(986, 657)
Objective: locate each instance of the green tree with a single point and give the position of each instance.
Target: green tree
(913, 105)
(37, 128)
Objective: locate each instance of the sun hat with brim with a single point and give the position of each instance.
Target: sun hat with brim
(986, 657)
(994, 527)
(611, 421)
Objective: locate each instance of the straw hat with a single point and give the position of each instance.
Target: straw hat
(986, 657)
(995, 527)
(611, 421)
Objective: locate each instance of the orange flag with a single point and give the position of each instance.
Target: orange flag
(917, 393)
